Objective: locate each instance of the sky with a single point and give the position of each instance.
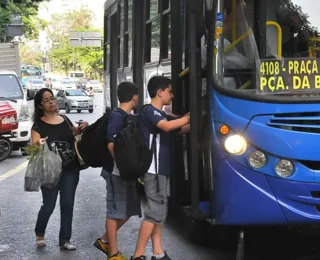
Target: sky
(311, 8)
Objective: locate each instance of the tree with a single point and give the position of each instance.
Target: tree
(66, 57)
(30, 21)
(30, 55)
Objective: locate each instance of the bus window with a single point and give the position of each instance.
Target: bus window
(152, 49)
(299, 23)
(290, 33)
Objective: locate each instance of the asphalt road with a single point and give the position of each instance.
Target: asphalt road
(19, 211)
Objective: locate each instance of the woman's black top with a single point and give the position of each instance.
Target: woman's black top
(60, 141)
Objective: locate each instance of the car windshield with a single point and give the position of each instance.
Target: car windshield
(94, 82)
(10, 87)
(66, 82)
(272, 55)
(75, 93)
(37, 81)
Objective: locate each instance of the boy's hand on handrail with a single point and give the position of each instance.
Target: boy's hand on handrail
(185, 129)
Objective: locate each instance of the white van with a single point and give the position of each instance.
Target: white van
(11, 90)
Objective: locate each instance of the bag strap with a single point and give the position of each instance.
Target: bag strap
(68, 122)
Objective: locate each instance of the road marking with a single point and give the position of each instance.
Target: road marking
(14, 171)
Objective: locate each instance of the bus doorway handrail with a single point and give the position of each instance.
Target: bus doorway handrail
(279, 30)
(313, 48)
(245, 35)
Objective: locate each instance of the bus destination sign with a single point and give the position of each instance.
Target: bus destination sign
(296, 75)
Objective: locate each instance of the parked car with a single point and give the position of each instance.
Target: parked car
(11, 91)
(95, 84)
(33, 86)
(75, 99)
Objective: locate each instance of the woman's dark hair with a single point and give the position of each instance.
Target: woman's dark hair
(38, 112)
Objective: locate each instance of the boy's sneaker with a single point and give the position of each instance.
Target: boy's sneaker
(139, 258)
(166, 257)
(118, 256)
(104, 247)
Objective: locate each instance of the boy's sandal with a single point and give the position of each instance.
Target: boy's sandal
(68, 246)
(40, 242)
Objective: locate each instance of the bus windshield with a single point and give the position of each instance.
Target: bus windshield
(268, 48)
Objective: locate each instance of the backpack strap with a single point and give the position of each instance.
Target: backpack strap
(153, 146)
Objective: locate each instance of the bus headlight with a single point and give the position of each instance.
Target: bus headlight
(284, 168)
(257, 159)
(235, 144)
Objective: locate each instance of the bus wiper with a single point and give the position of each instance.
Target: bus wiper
(9, 99)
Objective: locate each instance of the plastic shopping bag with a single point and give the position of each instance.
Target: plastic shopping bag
(44, 169)
(33, 174)
(51, 168)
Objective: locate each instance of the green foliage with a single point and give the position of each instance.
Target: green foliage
(30, 54)
(32, 150)
(4, 19)
(67, 58)
(30, 21)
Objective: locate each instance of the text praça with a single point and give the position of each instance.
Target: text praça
(273, 68)
(293, 75)
(277, 83)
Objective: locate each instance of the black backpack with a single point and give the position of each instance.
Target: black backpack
(132, 156)
(93, 146)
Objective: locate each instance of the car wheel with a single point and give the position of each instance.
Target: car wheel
(67, 109)
(79, 110)
(90, 110)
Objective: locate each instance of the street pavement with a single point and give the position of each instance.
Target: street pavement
(19, 212)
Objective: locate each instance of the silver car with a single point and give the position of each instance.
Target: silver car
(74, 99)
(33, 86)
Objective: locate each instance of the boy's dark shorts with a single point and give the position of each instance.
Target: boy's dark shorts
(122, 197)
(156, 209)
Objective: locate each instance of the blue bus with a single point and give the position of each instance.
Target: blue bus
(247, 71)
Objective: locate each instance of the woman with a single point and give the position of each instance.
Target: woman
(52, 128)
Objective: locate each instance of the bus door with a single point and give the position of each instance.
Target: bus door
(114, 50)
(193, 172)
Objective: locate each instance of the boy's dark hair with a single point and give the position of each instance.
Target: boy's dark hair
(126, 91)
(156, 83)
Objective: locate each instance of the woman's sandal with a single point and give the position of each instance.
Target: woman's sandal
(40, 242)
(68, 246)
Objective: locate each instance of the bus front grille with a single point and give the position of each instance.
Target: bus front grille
(313, 165)
(301, 122)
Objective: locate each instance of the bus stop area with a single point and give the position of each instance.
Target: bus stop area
(19, 211)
